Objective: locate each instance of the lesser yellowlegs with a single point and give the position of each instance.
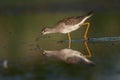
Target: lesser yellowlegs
(68, 25)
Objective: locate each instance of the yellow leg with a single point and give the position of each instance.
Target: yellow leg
(88, 50)
(69, 38)
(86, 31)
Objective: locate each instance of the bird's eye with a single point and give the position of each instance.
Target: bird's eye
(44, 30)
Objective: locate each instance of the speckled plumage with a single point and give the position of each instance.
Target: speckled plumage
(67, 25)
(68, 55)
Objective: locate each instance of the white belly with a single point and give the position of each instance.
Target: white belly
(68, 29)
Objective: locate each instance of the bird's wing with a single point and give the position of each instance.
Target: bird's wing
(74, 20)
(74, 59)
(78, 60)
(71, 20)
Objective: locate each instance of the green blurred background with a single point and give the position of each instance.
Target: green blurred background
(21, 22)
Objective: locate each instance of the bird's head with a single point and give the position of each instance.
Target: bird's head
(44, 31)
(47, 53)
(44, 52)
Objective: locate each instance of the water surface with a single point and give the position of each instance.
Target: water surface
(21, 45)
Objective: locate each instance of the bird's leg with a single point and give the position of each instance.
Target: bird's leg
(86, 31)
(88, 50)
(69, 38)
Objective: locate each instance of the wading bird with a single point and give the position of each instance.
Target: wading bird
(68, 25)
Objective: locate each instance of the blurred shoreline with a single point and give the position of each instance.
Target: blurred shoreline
(42, 7)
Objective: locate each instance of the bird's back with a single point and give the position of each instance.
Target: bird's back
(74, 20)
(70, 20)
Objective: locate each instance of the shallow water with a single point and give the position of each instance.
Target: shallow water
(21, 46)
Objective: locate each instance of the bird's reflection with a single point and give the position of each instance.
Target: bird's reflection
(69, 55)
(88, 49)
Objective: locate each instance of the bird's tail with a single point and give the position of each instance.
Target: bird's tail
(91, 63)
(89, 14)
(88, 62)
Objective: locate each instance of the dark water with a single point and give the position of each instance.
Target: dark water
(21, 48)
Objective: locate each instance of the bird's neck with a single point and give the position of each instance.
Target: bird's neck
(52, 53)
(52, 30)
